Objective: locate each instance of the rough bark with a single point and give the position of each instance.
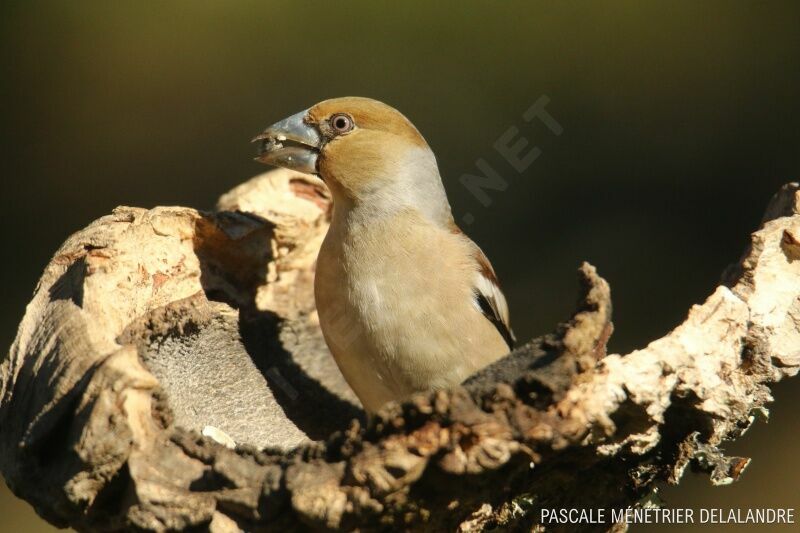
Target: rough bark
(169, 373)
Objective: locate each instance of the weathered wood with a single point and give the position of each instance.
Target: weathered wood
(151, 328)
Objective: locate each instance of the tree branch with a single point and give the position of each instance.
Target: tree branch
(151, 329)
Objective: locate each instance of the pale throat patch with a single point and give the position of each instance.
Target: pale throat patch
(414, 183)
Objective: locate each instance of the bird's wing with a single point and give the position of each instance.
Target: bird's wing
(489, 298)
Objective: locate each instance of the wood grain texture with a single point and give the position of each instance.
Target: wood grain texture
(150, 325)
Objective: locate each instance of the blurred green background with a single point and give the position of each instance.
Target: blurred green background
(680, 120)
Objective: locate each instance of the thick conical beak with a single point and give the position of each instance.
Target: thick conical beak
(291, 143)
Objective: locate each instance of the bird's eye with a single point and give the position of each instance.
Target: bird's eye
(341, 123)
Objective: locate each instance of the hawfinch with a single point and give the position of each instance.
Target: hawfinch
(406, 301)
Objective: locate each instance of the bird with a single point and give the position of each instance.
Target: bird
(406, 301)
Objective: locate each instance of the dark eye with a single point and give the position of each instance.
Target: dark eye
(341, 123)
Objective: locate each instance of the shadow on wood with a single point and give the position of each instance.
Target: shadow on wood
(149, 326)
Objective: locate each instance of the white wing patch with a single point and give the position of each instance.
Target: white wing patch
(489, 299)
(493, 295)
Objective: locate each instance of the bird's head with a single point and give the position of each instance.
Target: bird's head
(356, 145)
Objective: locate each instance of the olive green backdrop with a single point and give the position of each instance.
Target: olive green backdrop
(680, 119)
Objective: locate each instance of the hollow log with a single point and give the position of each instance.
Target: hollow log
(170, 373)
